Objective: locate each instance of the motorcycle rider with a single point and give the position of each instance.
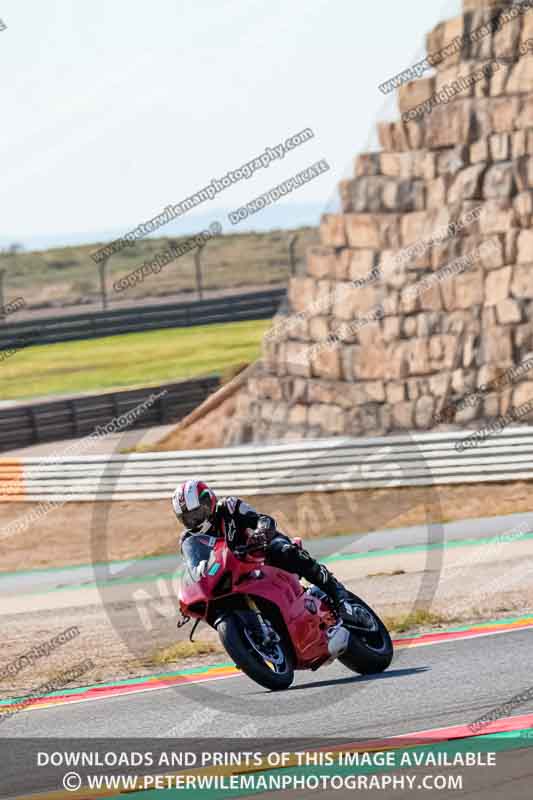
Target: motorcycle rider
(198, 510)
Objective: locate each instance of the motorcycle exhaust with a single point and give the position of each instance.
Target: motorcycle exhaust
(338, 639)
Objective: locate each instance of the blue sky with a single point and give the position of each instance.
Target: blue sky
(111, 109)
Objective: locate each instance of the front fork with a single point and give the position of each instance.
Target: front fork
(264, 630)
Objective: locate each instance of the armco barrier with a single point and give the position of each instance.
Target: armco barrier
(308, 466)
(24, 425)
(50, 330)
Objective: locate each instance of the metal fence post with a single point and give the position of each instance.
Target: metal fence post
(3, 315)
(102, 266)
(198, 268)
(12, 251)
(292, 260)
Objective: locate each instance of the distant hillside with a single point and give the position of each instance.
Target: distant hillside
(67, 276)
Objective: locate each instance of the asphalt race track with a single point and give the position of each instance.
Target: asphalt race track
(429, 687)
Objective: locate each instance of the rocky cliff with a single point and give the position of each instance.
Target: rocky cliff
(416, 310)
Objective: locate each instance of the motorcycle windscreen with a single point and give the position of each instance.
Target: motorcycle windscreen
(198, 553)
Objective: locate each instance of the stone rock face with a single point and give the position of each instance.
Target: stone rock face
(421, 290)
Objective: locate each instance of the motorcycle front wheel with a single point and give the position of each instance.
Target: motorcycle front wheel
(368, 652)
(270, 667)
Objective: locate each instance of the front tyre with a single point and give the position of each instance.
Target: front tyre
(270, 667)
(368, 653)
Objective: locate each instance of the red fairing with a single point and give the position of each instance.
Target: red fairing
(307, 618)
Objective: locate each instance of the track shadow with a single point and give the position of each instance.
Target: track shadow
(391, 673)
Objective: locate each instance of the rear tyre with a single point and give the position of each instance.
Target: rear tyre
(368, 653)
(272, 669)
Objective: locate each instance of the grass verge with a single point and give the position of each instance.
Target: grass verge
(416, 619)
(132, 359)
(181, 651)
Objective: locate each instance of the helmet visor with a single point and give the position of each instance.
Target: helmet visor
(192, 519)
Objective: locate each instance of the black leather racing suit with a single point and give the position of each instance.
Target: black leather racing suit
(236, 520)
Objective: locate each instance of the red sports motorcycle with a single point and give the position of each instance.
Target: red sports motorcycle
(267, 622)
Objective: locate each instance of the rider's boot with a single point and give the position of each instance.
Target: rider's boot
(348, 610)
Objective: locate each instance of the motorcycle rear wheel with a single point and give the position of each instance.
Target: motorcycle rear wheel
(238, 643)
(368, 653)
